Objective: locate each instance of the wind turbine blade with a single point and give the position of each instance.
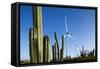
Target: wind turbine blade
(66, 25)
(64, 35)
(70, 36)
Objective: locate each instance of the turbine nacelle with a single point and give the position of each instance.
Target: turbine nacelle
(67, 33)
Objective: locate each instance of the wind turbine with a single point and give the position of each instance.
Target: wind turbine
(66, 34)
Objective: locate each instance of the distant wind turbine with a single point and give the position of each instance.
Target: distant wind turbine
(66, 34)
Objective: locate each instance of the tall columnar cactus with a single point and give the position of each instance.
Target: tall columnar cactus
(32, 45)
(49, 50)
(46, 49)
(37, 23)
(53, 54)
(62, 49)
(35, 45)
(57, 46)
(56, 52)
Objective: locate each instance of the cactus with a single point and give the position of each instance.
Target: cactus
(46, 49)
(57, 46)
(31, 45)
(49, 51)
(56, 52)
(35, 45)
(62, 49)
(53, 53)
(37, 24)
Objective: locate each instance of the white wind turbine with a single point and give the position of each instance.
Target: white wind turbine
(66, 34)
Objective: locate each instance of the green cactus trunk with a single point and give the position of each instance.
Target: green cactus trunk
(33, 45)
(46, 49)
(53, 54)
(58, 53)
(37, 24)
(62, 49)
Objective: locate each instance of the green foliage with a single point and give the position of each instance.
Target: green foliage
(91, 53)
(83, 52)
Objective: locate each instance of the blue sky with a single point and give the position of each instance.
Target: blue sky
(81, 25)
